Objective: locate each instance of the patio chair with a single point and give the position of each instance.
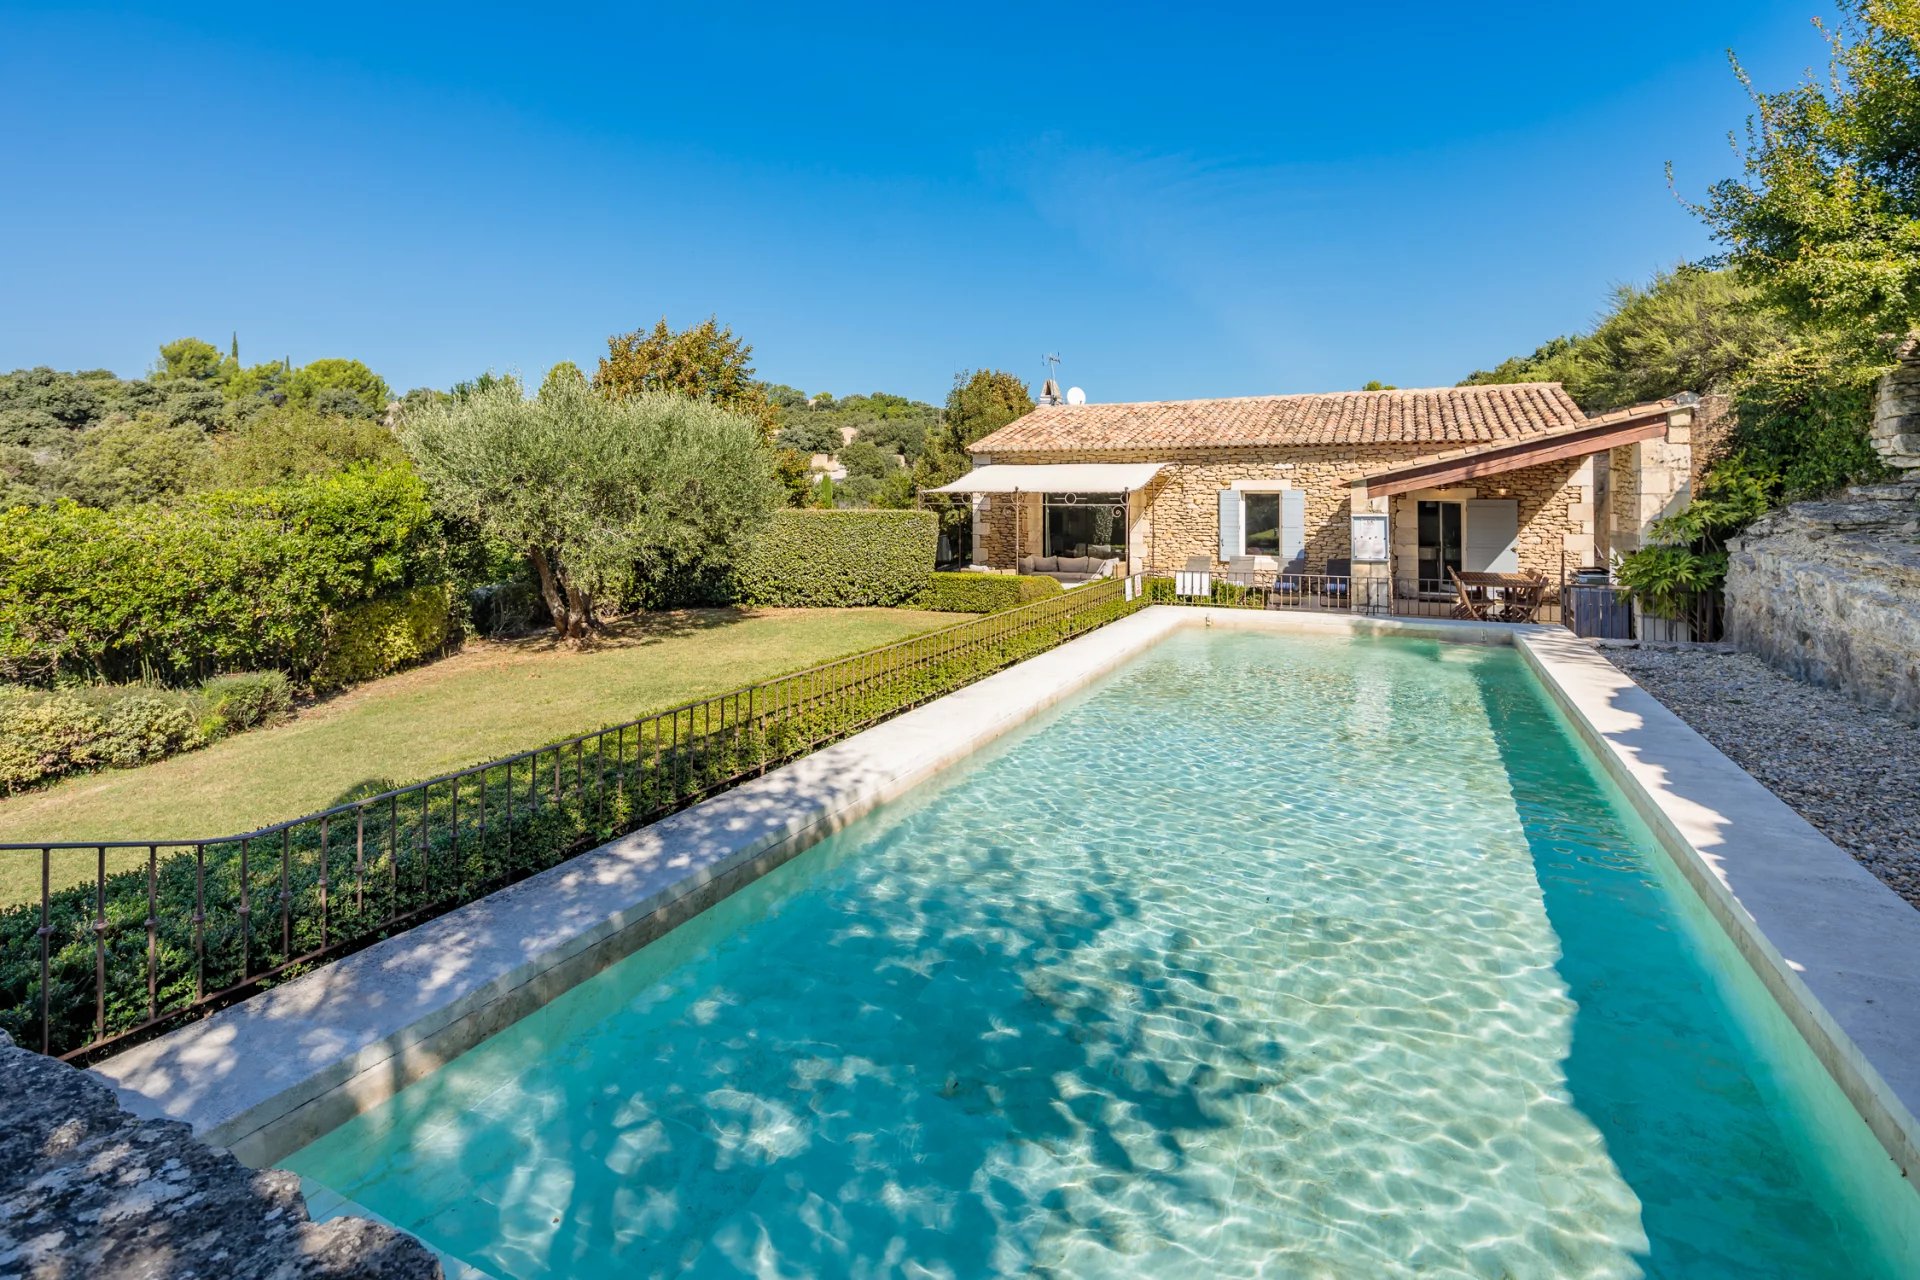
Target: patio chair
(1339, 579)
(1468, 602)
(1290, 584)
(1196, 579)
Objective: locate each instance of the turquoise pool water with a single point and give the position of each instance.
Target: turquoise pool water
(1268, 956)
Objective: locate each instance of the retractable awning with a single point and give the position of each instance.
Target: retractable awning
(1055, 477)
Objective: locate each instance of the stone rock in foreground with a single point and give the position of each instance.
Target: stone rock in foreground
(1829, 592)
(89, 1190)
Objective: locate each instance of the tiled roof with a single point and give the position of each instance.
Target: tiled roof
(1438, 416)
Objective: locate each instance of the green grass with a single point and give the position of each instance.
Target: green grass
(489, 700)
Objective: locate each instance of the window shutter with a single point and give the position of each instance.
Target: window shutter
(1492, 532)
(1293, 530)
(1229, 524)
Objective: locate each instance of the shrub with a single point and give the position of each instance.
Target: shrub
(372, 639)
(46, 735)
(223, 581)
(838, 558)
(985, 592)
(247, 699)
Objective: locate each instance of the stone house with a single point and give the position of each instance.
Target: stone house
(1403, 484)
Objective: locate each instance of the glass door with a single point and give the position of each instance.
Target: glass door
(1439, 543)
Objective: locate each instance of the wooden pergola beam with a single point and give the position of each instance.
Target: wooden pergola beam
(1513, 457)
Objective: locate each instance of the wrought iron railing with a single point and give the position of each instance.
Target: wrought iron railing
(127, 937)
(1326, 592)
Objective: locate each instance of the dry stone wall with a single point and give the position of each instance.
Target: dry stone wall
(1830, 592)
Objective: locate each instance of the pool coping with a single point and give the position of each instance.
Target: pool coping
(1837, 950)
(268, 1075)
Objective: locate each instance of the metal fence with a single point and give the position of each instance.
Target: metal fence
(1324, 592)
(128, 937)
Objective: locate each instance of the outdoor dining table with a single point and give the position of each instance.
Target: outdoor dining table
(1497, 597)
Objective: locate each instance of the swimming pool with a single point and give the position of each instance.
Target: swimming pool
(1289, 956)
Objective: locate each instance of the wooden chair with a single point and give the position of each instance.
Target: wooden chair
(1468, 603)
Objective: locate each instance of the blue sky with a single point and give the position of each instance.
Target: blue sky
(1182, 201)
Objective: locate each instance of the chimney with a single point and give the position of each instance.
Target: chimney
(1050, 392)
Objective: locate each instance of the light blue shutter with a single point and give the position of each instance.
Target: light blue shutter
(1293, 530)
(1229, 524)
(1493, 527)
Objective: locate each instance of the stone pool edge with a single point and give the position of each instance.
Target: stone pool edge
(1837, 950)
(343, 1039)
(272, 1073)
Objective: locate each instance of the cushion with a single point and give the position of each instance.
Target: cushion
(1026, 564)
(1046, 564)
(1073, 564)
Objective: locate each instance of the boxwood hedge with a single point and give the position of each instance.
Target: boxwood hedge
(985, 592)
(815, 558)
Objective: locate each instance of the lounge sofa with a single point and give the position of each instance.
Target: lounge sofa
(1071, 570)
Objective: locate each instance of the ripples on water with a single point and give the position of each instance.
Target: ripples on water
(1285, 957)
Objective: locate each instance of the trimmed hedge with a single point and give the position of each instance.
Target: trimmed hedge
(820, 558)
(369, 640)
(44, 736)
(985, 592)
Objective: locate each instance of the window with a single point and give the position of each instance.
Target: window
(1261, 516)
(1089, 524)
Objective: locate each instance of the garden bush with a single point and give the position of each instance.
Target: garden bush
(808, 558)
(182, 590)
(46, 735)
(372, 639)
(985, 592)
(247, 699)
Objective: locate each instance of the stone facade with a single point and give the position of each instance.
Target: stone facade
(1829, 592)
(88, 1189)
(1896, 412)
(1178, 515)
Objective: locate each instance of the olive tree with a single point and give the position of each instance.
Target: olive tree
(607, 498)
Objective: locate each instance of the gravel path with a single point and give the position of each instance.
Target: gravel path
(1851, 771)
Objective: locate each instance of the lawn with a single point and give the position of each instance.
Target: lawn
(489, 700)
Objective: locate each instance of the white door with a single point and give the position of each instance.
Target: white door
(1491, 539)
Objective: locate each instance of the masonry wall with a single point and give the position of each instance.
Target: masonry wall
(1181, 509)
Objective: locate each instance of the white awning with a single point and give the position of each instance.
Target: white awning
(1055, 477)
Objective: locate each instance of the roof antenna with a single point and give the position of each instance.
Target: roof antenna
(1050, 390)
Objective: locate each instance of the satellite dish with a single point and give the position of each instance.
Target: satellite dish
(1076, 396)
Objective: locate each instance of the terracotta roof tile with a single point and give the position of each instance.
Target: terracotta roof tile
(1437, 416)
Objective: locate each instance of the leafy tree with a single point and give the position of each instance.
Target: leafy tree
(982, 401)
(807, 436)
(281, 445)
(705, 362)
(257, 386)
(191, 360)
(608, 498)
(485, 382)
(864, 458)
(1377, 385)
(39, 402)
(1826, 218)
(783, 397)
(566, 371)
(307, 385)
(1690, 329)
(137, 460)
